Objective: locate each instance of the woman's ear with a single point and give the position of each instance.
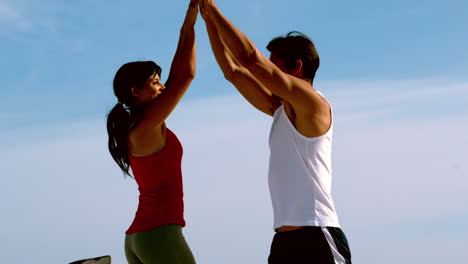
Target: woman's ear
(135, 91)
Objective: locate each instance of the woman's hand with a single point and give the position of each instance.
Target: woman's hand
(193, 3)
(192, 12)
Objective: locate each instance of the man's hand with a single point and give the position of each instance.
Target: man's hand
(205, 7)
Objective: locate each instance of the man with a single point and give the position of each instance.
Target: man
(305, 221)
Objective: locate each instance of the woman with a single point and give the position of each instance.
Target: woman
(140, 140)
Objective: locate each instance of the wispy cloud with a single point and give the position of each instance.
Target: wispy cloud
(9, 115)
(11, 15)
(392, 90)
(384, 101)
(386, 174)
(24, 16)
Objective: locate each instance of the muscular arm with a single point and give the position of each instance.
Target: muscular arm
(291, 89)
(252, 90)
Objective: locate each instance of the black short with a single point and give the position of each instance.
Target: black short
(311, 244)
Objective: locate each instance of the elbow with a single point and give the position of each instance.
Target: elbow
(251, 58)
(228, 75)
(231, 73)
(189, 73)
(186, 76)
(190, 76)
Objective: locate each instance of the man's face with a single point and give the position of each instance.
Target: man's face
(280, 63)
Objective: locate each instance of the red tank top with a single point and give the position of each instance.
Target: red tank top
(159, 179)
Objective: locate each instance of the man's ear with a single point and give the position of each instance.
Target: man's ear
(298, 68)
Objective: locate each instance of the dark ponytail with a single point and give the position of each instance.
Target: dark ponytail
(118, 125)
(126, 112)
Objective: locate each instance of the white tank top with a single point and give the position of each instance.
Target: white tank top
(300, 176)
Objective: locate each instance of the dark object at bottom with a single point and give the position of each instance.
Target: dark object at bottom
(311, 244)
(98, 260)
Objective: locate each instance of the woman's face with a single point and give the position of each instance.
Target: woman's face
(152, 88)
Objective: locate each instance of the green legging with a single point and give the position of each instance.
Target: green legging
(162, 245)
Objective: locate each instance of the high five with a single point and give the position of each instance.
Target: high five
(300, 173)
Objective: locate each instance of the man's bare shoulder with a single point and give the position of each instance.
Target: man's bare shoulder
(312, 118)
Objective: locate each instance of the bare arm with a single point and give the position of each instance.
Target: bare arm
(291, 89)
(181, 74)
(149, 135)
(252, 90)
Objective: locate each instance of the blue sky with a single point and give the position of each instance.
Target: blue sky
(63, 55)
(395, 72)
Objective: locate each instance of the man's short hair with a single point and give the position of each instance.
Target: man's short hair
(296, 46)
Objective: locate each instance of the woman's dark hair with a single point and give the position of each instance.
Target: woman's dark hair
(296, 46)
(124, 114)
